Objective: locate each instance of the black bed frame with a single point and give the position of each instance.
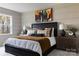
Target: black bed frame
(26, 52)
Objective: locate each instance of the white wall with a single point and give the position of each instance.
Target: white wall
(16, 23)
(65, 13)
(28, 18)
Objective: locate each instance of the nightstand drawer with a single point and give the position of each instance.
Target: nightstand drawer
(68, 42)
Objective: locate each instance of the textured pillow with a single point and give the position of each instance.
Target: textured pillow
(31, 31)
(48, 32)
(41, 31)
(24, 32)
(52, 33)
(38, 35)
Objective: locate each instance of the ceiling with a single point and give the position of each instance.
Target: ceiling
(25, 7)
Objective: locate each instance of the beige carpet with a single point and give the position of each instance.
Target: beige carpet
(55, 52)
(62, 53)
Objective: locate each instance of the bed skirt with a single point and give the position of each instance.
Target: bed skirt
(25, 52)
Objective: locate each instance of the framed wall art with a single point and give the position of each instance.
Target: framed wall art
(38, 15)
(47, 15)
(44, 15)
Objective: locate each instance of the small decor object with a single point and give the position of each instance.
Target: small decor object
(38, 15)
(73, 29)
(70, 33)
(44, 15)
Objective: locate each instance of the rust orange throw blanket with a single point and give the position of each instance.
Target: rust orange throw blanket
(44, 41)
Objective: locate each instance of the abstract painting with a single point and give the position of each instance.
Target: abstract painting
(38, 15)
(47, 14)
(44, 15)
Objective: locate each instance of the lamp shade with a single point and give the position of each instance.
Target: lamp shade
(24, 27)
(61, 27)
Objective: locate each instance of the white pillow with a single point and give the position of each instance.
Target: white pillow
(41, 32)
(31, 31)
(52, 34)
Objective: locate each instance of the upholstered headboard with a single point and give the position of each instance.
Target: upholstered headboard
(47, 25)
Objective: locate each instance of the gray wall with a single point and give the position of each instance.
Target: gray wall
(28, 18)
(16, 23)
(65, 13)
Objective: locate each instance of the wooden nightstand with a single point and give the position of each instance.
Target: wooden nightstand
(68, 43)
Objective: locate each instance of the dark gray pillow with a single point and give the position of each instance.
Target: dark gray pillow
(24, 32)
(38, 35)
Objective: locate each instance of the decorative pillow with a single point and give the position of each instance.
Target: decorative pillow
(41, 31)
(38, 35)
(31, 31)
(48, 32)
(24, 32)
(52, 33)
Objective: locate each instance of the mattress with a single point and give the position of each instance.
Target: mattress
(29, 44)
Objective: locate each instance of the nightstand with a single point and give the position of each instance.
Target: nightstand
(68, 43)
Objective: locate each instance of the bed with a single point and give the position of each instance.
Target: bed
(18, 51)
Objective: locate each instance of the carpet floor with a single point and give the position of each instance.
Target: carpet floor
(55, 52)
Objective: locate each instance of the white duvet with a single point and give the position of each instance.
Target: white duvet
(29, 44)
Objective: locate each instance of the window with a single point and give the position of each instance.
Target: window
(5, 24)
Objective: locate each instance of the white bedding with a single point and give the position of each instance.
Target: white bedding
(29, 44)
(52, 40)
